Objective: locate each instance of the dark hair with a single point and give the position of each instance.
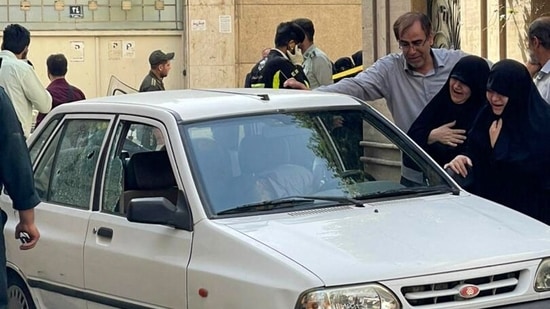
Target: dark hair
(342, 64)
(406, 20)
(287, 32)
(307, 26)
(357, 58)
(540, 28)
(57, 65)
(16, 38)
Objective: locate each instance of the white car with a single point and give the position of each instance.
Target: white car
(255, 198)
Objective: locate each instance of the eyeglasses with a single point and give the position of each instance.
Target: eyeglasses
(404, 45)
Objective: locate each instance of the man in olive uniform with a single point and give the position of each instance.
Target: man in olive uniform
(317, 65)
(160, 66)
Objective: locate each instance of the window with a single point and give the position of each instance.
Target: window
(138, 166)
(108, 15)
(66, 171)
(113, 176)
(41, 140)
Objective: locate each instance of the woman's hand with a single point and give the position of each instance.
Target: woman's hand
(460, 165)
(446, 135)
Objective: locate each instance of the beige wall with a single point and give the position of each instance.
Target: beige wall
(92, 69)
(216, 56)
(212, 54)
(337, 23)
(497, 40)
(211, 44)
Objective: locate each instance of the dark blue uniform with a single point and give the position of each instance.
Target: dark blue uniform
(278, 69)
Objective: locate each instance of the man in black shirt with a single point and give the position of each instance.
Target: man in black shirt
(285, 60)
(17, 176)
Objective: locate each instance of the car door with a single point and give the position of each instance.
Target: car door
(65, 157)
(133, 265)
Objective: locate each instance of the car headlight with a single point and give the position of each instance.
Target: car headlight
(369, 296)
(542, 279)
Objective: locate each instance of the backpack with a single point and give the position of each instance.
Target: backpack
(255, 78)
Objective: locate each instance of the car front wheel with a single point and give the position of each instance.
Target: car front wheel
(19, 296)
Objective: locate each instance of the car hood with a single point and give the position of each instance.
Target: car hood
(397, 239)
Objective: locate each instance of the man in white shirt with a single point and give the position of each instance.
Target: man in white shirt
(19, 79)
(539, 54)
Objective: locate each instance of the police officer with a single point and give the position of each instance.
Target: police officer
(317, 65)
(160, 66)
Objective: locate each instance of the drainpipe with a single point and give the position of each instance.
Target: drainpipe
(502, 26)
(483, 26)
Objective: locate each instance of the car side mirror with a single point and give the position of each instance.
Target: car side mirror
(158, 210)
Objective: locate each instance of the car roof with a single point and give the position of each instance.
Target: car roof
(195, 104)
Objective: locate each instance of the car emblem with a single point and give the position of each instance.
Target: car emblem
(468, 291)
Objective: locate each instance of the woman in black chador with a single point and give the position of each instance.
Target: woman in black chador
(508, 148)
(441, 127)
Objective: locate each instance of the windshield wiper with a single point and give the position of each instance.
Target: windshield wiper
(416, 191)
(289, 202)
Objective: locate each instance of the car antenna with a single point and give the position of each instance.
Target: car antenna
(263, 97)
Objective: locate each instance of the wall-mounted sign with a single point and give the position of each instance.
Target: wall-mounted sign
(76, 11)
(77, 51)
(129, 49)
(198, 25)
(115, 50)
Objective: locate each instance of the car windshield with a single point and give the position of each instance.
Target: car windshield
(301, 160)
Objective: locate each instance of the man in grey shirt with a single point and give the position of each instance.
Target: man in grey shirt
(407, 80)
(539, 54)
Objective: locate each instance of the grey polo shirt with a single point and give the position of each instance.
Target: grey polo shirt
(542, 80)
(407, 92)
(317, 67)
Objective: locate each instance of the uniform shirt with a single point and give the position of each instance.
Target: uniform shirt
(317, 67)
(15, 164)
(278, 68)
(542, 80)
(24, 89)
(151, 83)
(406, 91)
(61, 92)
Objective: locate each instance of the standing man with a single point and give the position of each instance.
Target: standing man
(60, 90)
(19, 78)
(285, 60)
(317, 65)
(539, 55)
(160, 66)
(407, 80)
(17, 176)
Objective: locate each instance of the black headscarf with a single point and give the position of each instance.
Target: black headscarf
(526, 116)
(516, 171)
(473, 72)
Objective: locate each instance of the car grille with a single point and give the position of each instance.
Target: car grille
(446, 292)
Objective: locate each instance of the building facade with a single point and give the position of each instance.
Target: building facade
(216, 42)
